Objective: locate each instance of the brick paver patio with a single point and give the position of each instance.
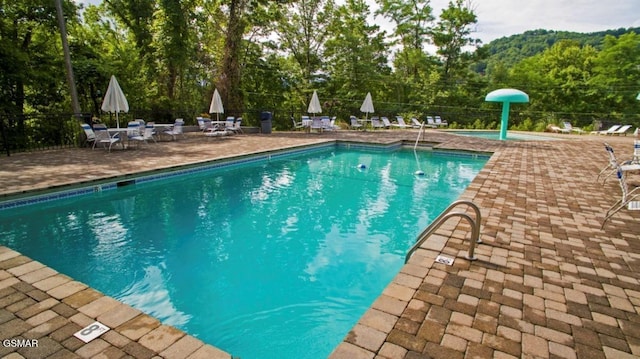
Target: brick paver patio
(548, 282)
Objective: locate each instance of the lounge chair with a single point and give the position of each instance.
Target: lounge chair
(415, 123)
(606, 132)
(376, 123)
(440, 122)
(627, 199)
(90, 136)
(621, 131)
(353, 123)
(216, 131)
(430, 122)
(570, 128)
(557, 129)
(385, 122)
(400, 123)
(103, 137)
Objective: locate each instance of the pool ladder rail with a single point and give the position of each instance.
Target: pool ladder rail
(443, 217)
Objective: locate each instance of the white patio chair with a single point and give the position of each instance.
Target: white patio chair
(430, 122)
(103, 137)
(204, 123)
(353, 123)
(376, 123)
(613, 165)
(440, 122)
(176, 130)
(627, 198)
(147, 134)
(236, 126)
(228, 123)
(297, 125)
(316, 124)
(415, 123)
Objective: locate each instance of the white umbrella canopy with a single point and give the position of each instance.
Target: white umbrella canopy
(314, 105)
(114, 99)
(367, 105)
(216, 104)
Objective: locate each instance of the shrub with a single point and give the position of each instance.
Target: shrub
(478, 124)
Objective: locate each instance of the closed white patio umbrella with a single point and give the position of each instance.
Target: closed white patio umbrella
(314, 105)
(216, 104)
(367, 105)
(114, 100)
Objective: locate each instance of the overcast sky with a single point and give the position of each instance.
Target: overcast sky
(498, 18)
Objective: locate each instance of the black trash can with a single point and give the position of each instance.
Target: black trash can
(265, 121)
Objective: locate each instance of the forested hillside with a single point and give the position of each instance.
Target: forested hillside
(512, 49)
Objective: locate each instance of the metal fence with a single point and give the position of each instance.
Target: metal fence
(38, 132)
(22, 133)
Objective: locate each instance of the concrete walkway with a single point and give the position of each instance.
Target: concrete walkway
(548, 283)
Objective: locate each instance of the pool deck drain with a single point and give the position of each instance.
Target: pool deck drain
(548, 283)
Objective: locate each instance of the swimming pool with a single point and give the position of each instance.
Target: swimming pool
(274, 258)
(495, 135)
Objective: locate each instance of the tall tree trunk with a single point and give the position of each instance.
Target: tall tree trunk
(229, 80)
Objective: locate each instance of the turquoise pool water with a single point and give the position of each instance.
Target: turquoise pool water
(275, 259)
(495, 135)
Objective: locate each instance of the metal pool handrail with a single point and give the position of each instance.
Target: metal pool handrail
(420, 132)
(444, 216)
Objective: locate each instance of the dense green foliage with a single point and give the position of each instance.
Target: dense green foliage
(169, 55)
(512, 49)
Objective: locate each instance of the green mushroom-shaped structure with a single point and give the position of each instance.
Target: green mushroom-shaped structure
(506, 96)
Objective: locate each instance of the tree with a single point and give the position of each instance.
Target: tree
(29, 59)
(413, 22)
(230, 74)
(452, 35)
(556, 79)
(355, 56)
(616, 74)
(302, 38)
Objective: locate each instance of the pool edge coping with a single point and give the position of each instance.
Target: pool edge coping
(26, 198)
